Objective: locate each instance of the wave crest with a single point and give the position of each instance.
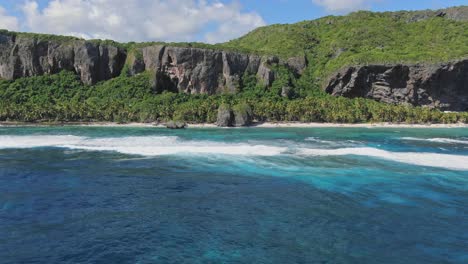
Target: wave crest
(454, 162)
(147, 146)
(438, 140)
(171, 145)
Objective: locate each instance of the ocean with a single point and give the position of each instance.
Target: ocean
(250, 195)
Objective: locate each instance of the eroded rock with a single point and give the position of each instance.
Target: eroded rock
(178, 69)
(443, 86)
(25, 56)
(242, 115)
(225, 116)
(176, 125)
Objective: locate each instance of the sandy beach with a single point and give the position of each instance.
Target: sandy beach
(257, 125)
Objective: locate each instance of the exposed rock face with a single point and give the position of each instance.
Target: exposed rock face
(195, 71)
(178, 69)
(176, 125)
(242, 115)
(225, 117)
(297, 64)
(443, 86)
(22, 56)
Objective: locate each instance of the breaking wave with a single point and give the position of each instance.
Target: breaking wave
(147, 146)
(172, 145)
(454, 162)
(438, 140)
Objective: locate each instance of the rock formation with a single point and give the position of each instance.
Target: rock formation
(206, 71)
(443, 86)
(242, 115)
(24, 56)
(225, 116)
(178, 69)
(176, 125)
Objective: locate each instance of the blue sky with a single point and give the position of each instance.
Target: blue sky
(290, 11)
(180, 20)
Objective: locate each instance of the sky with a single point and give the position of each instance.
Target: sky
(211, 21)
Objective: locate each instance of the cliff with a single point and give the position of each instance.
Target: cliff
(206, 71)
(443, 85)
(25, 56)
(180, 69)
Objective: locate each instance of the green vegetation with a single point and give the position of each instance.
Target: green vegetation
(333, 42)
(40, 37)
(62, 98)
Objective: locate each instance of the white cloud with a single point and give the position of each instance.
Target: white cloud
(6, 21)
(142, 20)
(344, 5)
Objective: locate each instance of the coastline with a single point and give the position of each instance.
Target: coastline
(255, 125)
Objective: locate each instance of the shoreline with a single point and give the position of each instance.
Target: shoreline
(255, 125)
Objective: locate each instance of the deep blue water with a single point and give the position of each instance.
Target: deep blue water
(254, 195)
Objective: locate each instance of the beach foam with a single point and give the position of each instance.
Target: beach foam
(336, 143)
(454, 162)
(438, 140)
(147, 146)
(318, 140)
(171, 145)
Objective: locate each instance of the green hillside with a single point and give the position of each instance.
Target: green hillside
(364, 37)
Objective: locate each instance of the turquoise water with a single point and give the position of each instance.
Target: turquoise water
(253, 195)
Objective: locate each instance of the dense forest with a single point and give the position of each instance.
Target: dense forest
(63, 98)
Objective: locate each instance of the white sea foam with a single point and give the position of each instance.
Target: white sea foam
(168, 145)
(438, 140)
(454, 162)
(330, 143)
(318, 140)
(148, 146)
(38, 141)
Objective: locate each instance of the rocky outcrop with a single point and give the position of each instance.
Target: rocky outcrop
(443, 86)
(24, 56)
(176, 125)
(225, 116)
(242, 115)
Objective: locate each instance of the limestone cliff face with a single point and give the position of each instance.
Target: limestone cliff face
(179, 69)
(22, 56)
(206, 71)
(443, 86)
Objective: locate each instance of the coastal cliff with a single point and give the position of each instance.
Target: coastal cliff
(207, 71)
(25, 56)
(443, 86)
(178, 69)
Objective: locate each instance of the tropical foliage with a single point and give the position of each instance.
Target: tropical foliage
(63, 98)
